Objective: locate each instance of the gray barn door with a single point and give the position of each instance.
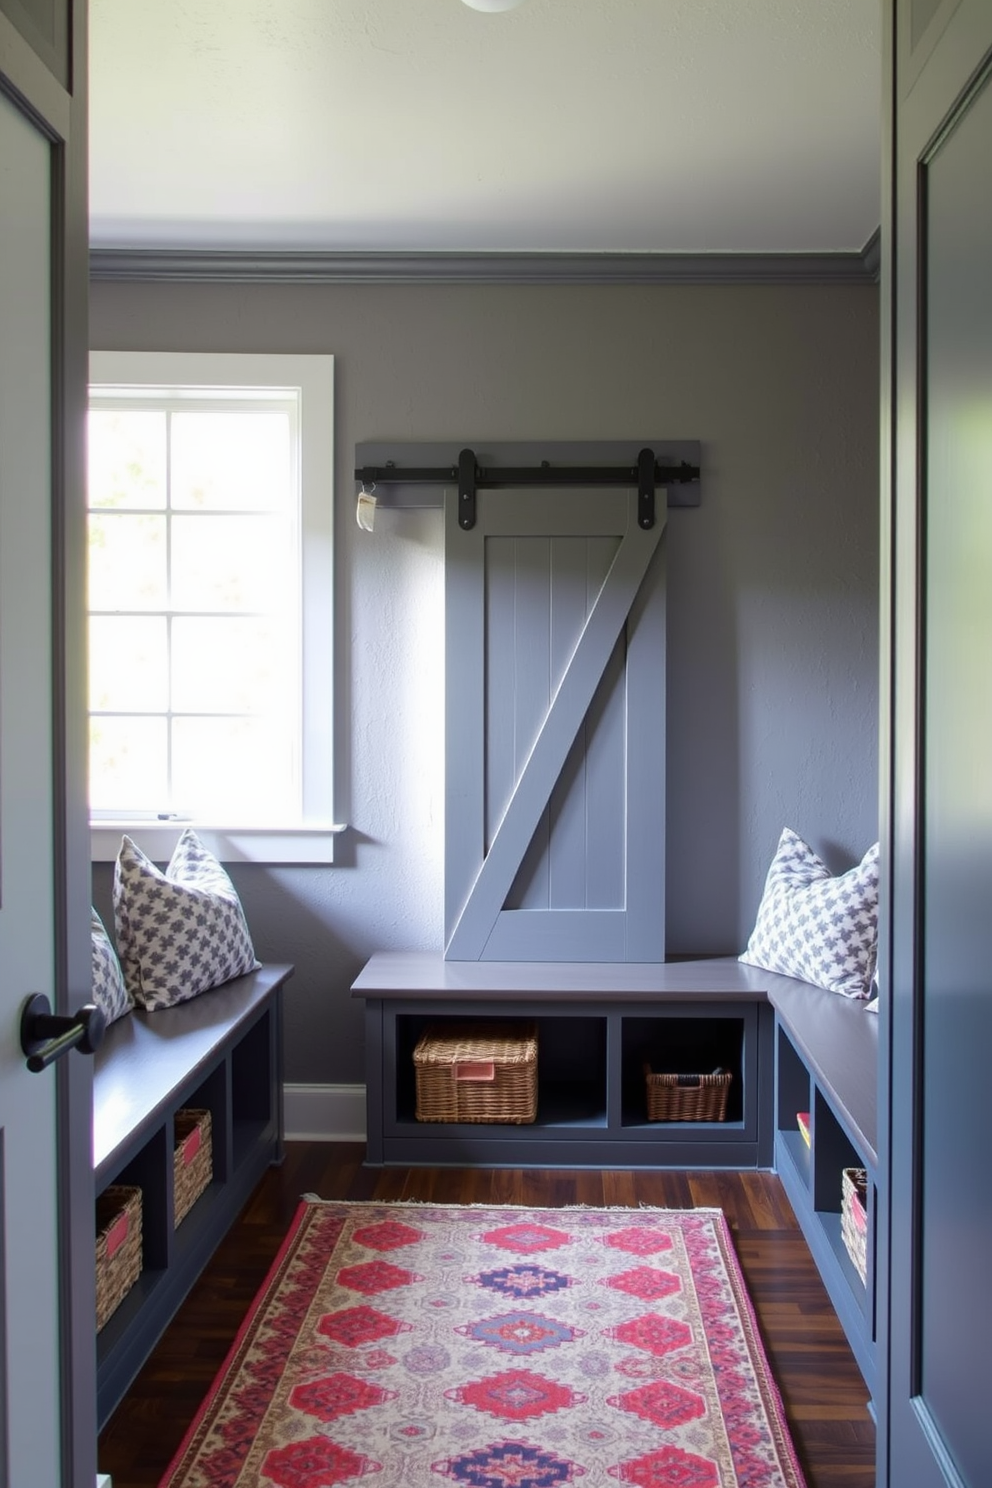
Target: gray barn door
(47, 1325)
(934, 1424)
(555, 729)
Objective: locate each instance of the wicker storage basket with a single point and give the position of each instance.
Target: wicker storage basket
(477, 1072)
(118, 1247)
(854, 1218)
(192, 1159)
(687, 1097)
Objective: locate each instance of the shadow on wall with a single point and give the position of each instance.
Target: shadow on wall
(702, 872)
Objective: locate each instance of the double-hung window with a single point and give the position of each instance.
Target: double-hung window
(210, 602)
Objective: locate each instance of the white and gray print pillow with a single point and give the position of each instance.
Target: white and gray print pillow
(179, 932)
(816, 926)
(108, 992)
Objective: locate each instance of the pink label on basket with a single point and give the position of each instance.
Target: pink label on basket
(116, 1235)
(191, 1146)
(482, 1069)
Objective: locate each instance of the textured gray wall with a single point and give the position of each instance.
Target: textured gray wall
(772, 667)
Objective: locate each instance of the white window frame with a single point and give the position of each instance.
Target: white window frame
(311, 838)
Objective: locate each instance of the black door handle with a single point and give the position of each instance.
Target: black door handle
(46, 1036)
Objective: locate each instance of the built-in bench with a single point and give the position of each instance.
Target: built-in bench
(826, 1063)
(221, 1052)
(791, 1047)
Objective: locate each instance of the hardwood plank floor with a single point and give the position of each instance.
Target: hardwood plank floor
(824, 1394)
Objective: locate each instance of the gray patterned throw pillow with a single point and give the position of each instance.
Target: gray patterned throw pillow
(815, 926)
(108, 990)
(179, 932)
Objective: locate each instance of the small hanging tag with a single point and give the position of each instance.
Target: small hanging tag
(365, 513)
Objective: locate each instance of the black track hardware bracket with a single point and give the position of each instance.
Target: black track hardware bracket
(680, 477)
(468, 482)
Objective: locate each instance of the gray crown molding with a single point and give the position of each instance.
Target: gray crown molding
(217, 266)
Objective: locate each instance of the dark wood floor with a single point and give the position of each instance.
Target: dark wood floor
(824, 1393)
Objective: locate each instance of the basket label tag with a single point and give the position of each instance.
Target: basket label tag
(480, 1069)
(117, 1234)
(191, 1146)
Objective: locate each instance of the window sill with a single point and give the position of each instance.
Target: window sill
(228, 844)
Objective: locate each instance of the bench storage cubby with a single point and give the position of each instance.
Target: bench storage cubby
(220, 1053)
(826, 1051)
(597, 1024)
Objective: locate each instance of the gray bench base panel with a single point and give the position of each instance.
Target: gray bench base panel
(221, 1051)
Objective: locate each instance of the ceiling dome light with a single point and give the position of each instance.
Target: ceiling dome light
(492, 4)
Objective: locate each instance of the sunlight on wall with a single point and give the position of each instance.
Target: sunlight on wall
(398, 739)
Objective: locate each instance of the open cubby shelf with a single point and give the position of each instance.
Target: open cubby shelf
(680, 1044)
(590, 1075)
(220, 1052)
(571, 1066)
(593, 1042)
(826, 1051)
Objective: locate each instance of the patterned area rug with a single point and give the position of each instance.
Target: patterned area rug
(423, 1344)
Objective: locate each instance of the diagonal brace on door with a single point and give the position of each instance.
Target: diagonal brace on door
(546, 761)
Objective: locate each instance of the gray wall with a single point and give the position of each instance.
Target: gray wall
(772, 668)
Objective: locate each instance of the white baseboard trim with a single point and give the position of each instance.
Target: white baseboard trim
(103, 1481)
(324, 1113)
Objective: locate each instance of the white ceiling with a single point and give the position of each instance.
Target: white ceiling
(678, 126)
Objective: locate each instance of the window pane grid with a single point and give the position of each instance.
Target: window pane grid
(264, 742)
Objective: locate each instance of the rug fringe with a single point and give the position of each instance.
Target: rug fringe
(312, 1198)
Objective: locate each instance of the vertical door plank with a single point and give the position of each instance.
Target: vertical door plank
(565, 816)
(534, 684)
(500, 664)
(646, 781)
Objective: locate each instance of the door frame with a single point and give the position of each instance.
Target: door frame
(57, 109)
(915, 95)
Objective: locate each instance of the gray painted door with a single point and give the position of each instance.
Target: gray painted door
(47, 1358)
(555, 729)
(27, 872)
(938, 1301)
